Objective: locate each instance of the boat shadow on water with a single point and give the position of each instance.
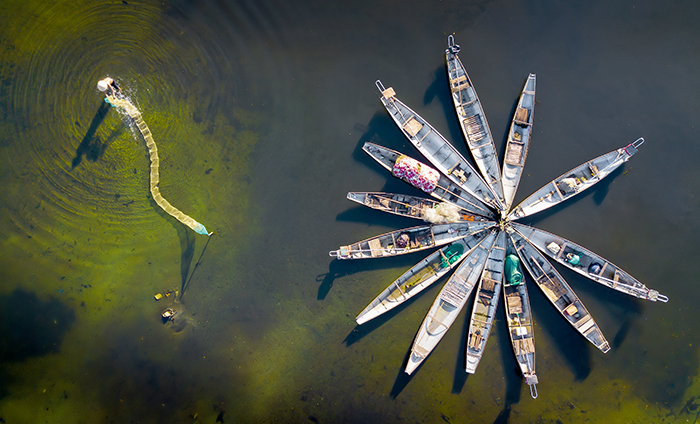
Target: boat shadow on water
(625, 310)
(343, 268)
(439, 89)
(597, 193)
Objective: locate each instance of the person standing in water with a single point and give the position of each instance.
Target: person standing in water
(109, 86)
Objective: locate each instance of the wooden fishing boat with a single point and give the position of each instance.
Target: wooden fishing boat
(420, 276)
(575, 181)
(484, 311)
(557, 290)
(589, 264)
(413, 207)
(444, 190)
(518, 141)
(449, 303)
(472, 119)
(409, 240)
(519, 318)
(437, 149)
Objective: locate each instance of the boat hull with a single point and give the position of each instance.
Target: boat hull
(446, 190)
(587, 263)
(434, 147)
(449, 303)
(420, 276)
(472, 120)
(518, 142)
(558, 291)
(413, 207)
(487, 296)
(520, 325)
(409, 240)
(575, 181)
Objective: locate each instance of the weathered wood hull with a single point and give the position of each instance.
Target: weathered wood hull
(420, 276)
(558, 291)
(587, 263)
(487, 296)
(449, 303)
(575, 181)
(518, 142)
(472, 120)
(437, 149)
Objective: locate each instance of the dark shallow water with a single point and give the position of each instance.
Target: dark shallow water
(259, 110)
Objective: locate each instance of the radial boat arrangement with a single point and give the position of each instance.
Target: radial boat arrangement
(472, 219)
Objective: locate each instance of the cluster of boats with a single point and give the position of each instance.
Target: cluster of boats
(471, 218)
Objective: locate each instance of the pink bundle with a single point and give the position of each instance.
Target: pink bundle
(415, 173)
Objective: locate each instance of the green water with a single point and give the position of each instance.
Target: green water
(259, 110)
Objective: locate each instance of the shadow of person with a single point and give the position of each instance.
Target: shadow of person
(91, 146)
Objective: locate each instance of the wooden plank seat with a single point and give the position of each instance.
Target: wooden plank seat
(521, 116)
(514, 154)
(474, 128)
(475, 340)
(376, 248)
(515, 305)
(412, 126)
(454, 294)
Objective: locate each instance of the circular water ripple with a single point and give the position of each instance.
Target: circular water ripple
(71, 167)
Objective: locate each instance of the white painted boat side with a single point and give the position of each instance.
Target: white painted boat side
(486, 303)
(407, 205)
(446, 190)
(472, 119)
(418, 278)
(589, 264)
(449, 303)
(434, 147)
(558, 291)
(520, 326)
(574, 181)
(518, 144)
(409, 240)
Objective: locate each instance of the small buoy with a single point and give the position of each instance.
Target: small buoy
(158, 296)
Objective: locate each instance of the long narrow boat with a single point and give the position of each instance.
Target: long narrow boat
(575, 181)
(519, 319)
(413, 207)
(487, 295)
(449, 303)
(420, 276)
(589, 264)
(472, 119)
(409, 240)
(556, 289)
(518, 141)
(436, 148)
(444, 189)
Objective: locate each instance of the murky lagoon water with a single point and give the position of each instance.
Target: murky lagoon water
(259, 110)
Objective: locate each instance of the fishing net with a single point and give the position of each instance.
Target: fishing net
(153, 153)
(443, 212)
